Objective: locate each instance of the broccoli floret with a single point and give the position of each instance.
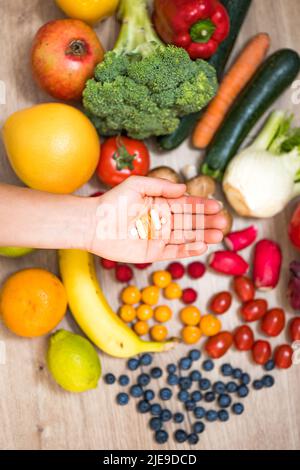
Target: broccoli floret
(143, 87)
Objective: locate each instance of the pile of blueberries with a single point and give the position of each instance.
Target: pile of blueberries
(197, 402)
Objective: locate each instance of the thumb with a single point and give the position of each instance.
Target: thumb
(157, 187)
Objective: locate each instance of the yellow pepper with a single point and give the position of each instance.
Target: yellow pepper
(90, 11)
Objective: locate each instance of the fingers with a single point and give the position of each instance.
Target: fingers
(194, 205)
(156, 187)
(210, 236)
(183, 251)
(198, 221)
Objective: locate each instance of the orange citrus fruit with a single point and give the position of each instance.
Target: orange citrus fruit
(32, 302)
(90, 11)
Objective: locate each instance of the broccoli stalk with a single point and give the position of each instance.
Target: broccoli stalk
(143, 86)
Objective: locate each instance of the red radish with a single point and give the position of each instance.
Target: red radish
(283, 356)
(176, 270)
(294, 228)
(142, 265)
(228, 262)
(237, 241)
(123, 273)
(243, 338)
(254, 310)
(294, 329)
(219, 344)
(244, 288)
(261, 352)
(107, 263)
(196, 269)
(273, 322)
(267, 264)
(189, 295)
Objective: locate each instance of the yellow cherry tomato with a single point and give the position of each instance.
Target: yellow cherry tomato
(141, 328)
(131, 295)
(162, 313)
(127, 313)
(210, 325)
(191, 334)
(173, 291)
(161, 279)
(158, 332)
(144, 312)
(89, 11)
(190, 315)
(150, 295)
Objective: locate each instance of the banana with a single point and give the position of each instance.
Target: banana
(93, 313)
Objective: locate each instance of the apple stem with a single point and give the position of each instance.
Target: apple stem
(77, 47)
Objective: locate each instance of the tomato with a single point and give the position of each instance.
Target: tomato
(120, 158)
(173, 291)
(158, 332)
(131, 295)
(144, 312)
(295, 329)
(283, 356)
(244, 288)
(150, 295)
(141, 328)
(191, 334)
(294, 228)
(243, 338)
(162, 313)
(219, 344)
(273, 322)
(261, 351)
(221, 302)
(190, 315)
(161, 279)
(127, 313)
(254, 310)
(210, 325)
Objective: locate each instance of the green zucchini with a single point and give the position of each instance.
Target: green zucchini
(269, 82)
(237, 11)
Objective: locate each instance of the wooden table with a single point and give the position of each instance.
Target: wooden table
(37, 414)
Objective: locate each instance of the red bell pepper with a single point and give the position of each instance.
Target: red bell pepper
(199, 26)
(294, 228)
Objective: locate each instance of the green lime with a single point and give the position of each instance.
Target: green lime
(14, 252)
(73, 362)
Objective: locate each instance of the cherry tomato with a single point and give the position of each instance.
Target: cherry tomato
(254, 310)
(221, 302)
(162, 313)
(210, 325)
(161, 279)
(144, 312)
(244, 288)
(150, 295)
(218, 345)
(243, 338)
(120, 158)
(158, 332)
(173, 291)
(273, 322)
(295, 329)
(190, 315)
(141, 328)
(127, 313)
(131, 295)
(261, 351)
(283, 356)
(191, 334)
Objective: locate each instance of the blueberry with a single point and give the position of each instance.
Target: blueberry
(237, 373)
(155, 409)
(122, 399)
(149, 395)
(219, 387)
(198, 427)
(226, 370)
(123, 380)
(268, 381)
(136, 391)
(237, 408)
(204, 384)
(195, 375)
(109, 379)
(156, 372)
(146, 359)
(171, 368)
(193, 438)
(180, 435)
(155, 424)
(185, 383)
(211, 415)
(223, 415)
(231, 387)
(194, 354)
(183, 396)
(143, 406)
(269, 365)
(165, 415)
(208, 365)
(199, 412)
(178, 418)
(196, 396)
(143, 379)
(172, 379)
(165, 393)
(133, 364)
(224, 400)
(258, 384)
(243, 391)
(190, 405)
(185, 363)
(161, 436)
(209, 397)
(245, 379)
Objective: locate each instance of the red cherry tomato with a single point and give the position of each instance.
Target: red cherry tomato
(244, 288)
(261, 351)
(243, 338)
(218, 345)
(120, 158)
(273, 322)
(283, 356)
(295, 329)
(220, 303)
(254, 310)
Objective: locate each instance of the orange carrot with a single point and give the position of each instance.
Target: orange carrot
(233, 83)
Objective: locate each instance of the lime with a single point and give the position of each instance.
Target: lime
(14, 252)
(73, 362)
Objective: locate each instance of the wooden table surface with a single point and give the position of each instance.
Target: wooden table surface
(34, 412)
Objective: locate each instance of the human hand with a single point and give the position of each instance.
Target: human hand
(190, 222)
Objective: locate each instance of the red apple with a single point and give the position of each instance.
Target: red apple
(64, 55)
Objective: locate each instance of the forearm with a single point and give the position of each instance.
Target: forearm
(36, 219)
